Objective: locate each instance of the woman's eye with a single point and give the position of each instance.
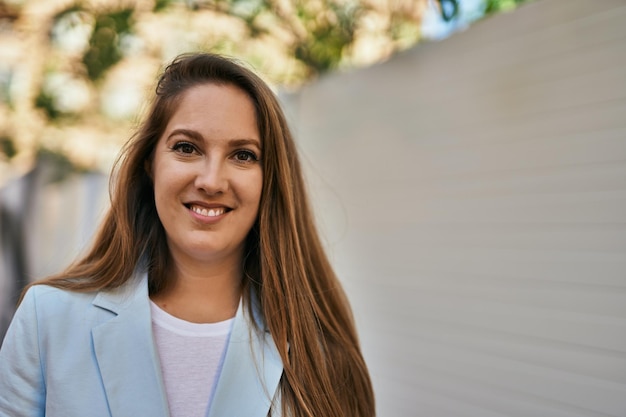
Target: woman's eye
(245, 156)
(184, 147)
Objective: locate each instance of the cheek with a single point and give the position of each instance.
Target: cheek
(256, 191)
(165, 188)
(159, 200)
(159, 188)
(249, 192)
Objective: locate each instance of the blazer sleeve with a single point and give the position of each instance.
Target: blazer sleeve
(22, 387)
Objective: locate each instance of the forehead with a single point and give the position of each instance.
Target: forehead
(215, 109)
(213, 96)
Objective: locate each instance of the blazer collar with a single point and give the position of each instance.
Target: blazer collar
(131, 371)
(252, 368)
(126, 354)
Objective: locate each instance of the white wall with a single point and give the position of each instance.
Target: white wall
(473, 197)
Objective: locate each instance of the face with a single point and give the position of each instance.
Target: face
(207, 174)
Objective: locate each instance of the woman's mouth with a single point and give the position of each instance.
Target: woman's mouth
(208, 212)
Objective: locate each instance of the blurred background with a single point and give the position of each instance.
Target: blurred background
(467, 161)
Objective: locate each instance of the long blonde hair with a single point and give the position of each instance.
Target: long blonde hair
(303, 304)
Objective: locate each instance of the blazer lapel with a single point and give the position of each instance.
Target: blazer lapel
(250, 374)
(126, 354)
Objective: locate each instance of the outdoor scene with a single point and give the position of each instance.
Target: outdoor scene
(466, 161)
(74, 75)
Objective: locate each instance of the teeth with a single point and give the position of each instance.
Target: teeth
(208, 213)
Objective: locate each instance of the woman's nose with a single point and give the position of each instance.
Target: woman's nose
(212, 177)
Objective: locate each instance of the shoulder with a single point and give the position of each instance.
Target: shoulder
(47, 311)
(45, 317)
(50, 300)
(61, 317)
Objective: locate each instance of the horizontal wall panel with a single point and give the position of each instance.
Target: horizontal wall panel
(472, 195)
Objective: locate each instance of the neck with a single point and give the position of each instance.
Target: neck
(202, 293)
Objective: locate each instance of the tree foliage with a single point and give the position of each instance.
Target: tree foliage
(91, 59)
(105, 42)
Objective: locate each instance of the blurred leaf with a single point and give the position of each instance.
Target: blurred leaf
(329, 35)
(494, 6)
(104, 45)
(46, 102)
(405, 30)
(161, 5)
(6, 77)
(7, 146)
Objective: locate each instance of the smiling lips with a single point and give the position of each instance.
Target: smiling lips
(208, 212)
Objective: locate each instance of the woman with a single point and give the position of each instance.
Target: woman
(206, 291)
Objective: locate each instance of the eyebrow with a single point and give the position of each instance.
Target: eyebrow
(197, 136)
(244, 142)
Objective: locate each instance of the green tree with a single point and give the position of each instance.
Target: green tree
(73, 72)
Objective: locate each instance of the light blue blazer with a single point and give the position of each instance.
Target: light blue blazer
(69, 354)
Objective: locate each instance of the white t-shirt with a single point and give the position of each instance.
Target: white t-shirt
(191, 357)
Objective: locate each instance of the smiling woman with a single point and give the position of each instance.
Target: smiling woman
(207, 186)
(206, 291)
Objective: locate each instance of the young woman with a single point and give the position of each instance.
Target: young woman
(206, 291)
